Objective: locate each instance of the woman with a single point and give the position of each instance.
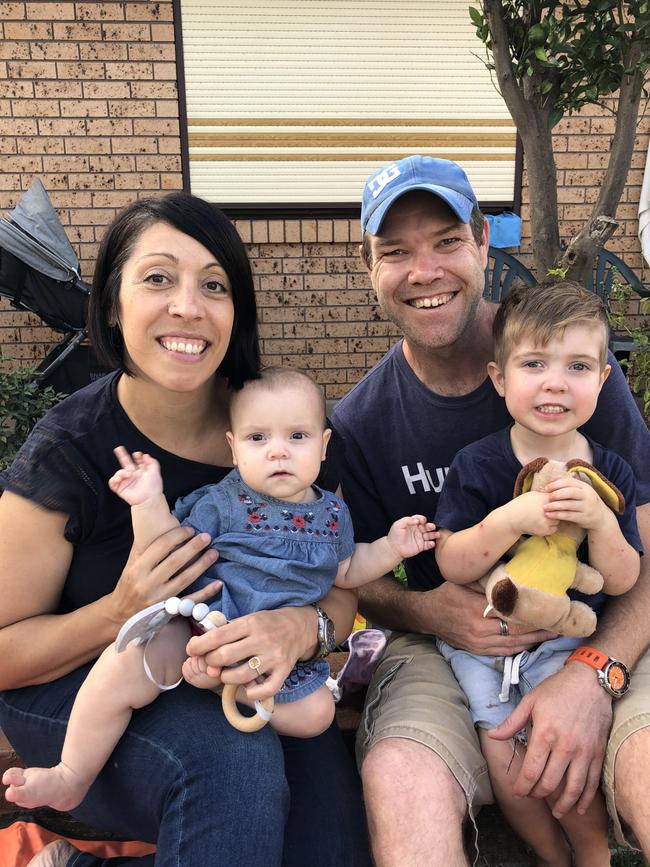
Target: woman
(173, 309)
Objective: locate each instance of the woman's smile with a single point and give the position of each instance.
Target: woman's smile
(182, 345)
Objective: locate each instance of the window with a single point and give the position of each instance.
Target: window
(297, 102)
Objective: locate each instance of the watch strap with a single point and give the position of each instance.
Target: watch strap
(324, 647)
(590, 656)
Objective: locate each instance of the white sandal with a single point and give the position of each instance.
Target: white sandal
(55, 854)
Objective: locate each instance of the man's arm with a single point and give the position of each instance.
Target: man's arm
(451, 612)
(571, 712)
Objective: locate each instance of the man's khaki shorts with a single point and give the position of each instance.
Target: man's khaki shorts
(414, 695)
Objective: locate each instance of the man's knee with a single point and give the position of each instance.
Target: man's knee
(632, 763)
(416, 775)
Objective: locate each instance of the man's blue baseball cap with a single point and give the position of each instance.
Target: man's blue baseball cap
(443, 178)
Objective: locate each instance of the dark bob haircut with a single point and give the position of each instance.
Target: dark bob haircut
(209, 226)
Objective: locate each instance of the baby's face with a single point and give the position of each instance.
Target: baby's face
(278, 441)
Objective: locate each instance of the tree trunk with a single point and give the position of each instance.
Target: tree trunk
(581, 254)
(537, 140)
(533, 126)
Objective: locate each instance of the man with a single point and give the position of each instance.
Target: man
(425, 247)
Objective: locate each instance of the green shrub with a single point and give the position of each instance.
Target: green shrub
(399, 573)
(22, 403)
(636, 326)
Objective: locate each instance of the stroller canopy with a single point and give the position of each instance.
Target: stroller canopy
(39, 270)
(33, 232)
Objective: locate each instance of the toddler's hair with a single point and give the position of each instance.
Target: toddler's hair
(542, 312)
(275, 378)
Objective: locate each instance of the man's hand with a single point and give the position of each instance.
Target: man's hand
(455, 614)
(570, 716)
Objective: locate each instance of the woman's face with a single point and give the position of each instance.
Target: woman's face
(175, 310)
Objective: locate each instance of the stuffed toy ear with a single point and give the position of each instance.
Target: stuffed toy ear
(524, 480)
(607, 492)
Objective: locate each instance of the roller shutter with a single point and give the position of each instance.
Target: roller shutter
(297, 102)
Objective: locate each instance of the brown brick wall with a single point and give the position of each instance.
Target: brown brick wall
(88, 102)
(316, 307)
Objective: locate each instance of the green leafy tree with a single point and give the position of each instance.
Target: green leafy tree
(551, 59)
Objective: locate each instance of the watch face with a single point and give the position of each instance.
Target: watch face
(330, 637)
(617, 678)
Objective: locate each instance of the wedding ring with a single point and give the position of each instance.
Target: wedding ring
(255, 663)
(505, 630)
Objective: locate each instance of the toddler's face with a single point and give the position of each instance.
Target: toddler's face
(553, 389)
(278, 441)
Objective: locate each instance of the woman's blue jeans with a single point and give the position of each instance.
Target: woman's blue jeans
(206, 794)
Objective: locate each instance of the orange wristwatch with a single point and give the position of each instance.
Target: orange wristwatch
(613, 675)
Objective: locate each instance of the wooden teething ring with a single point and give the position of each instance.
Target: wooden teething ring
(236, 718)
(228, 695)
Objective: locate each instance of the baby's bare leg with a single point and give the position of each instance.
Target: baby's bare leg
(304, 718)
(115, 686)
(531, 818)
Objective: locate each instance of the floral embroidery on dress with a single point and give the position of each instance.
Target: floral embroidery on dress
(255, 512)
(332, 523)
(298, 523)
(257, 518)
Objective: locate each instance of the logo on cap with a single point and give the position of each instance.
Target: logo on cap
(384, 177)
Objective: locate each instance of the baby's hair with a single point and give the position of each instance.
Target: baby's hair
(275, 378)
(542, 312)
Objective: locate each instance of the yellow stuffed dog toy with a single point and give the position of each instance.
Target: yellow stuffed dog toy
(531, 588)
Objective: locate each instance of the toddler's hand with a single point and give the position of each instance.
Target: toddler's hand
(528, 517)
(576, 501)
(412, 535)
(139, 478)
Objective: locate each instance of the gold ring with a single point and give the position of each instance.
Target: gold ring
(255, 663)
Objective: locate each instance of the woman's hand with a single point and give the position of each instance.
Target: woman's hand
(277, 638)
(165, 568)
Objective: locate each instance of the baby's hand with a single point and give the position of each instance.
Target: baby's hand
(195, 671)
(576, 501)
(412, 535)
(139, 479)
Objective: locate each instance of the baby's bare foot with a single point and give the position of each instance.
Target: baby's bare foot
(58, 787)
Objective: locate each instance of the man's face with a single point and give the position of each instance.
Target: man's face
(427, 270)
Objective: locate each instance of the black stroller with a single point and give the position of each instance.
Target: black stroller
(39, 272)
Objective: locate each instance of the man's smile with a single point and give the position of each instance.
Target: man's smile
(432, 300)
